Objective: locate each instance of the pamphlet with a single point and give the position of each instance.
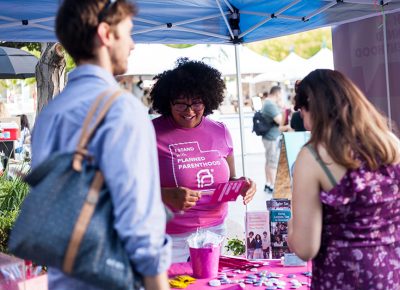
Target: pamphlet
(258, 242)
(278, 203)
(280, 213)
(228, 191)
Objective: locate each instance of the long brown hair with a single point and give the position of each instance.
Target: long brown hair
(344, 121)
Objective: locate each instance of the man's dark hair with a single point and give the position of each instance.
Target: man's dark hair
(189, 79)
(274, 90)
(77, 22)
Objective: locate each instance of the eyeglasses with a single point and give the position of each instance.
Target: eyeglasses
(182, 107)
(105, 9)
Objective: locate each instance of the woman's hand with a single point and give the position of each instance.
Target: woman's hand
(249, 191)
(180, 198)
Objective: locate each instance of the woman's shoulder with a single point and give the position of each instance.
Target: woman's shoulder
(320, 166)
(213, 124)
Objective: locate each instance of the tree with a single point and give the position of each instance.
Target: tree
(50, 73)
(305, 44)
(50, 70)
(31, 46)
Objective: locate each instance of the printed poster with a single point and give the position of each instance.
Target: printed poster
(258, 242)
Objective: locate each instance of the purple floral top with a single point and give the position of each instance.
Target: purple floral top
(360, 247)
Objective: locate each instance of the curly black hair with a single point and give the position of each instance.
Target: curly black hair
(189, 79)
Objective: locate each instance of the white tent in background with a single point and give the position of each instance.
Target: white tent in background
(294, 67)
(151, 59)
(222, 57)
(254, 63)
(218, 56)
(322, 59)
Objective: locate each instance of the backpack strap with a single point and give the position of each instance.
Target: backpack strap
(81, 150)
(322, 164)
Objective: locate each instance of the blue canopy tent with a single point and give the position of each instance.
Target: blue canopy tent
(202, 21)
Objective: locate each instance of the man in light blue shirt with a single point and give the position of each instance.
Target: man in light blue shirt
(272, 114)
(97, 34)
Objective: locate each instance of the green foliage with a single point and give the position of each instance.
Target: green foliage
(70, 62)
(12, 193)
(30, 46)
(235, 246)
(7, 220)
(305, 44)
(179, 45)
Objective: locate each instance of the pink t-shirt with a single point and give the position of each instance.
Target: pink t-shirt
(194, 158)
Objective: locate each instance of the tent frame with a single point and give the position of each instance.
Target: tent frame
(231, 19)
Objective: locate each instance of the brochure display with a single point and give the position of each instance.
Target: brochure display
(258, 242)
(280, 213)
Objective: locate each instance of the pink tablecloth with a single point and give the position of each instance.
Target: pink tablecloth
(274, 266)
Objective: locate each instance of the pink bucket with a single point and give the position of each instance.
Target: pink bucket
(205, 262)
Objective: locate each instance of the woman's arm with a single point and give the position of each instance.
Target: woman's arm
(180, 198)
(251, 189)
(305, 227)
(230, 159)
(159, 282)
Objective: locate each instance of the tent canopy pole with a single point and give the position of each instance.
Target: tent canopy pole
(240, 97)
(387, 71)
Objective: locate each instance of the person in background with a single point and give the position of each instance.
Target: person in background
(258, 253)
(97, 34)
(278, 241)
(273, 114)
(346, 188)
(251, 245)
(195, 152)
(284, 244)
(266, 242)
(296, 122)
(264, 97)
(25, 135)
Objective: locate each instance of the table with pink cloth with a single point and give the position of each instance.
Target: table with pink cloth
(274, 266)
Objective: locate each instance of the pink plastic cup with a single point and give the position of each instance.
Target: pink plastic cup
(205, 261)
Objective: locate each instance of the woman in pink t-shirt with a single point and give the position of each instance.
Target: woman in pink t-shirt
(195, 153)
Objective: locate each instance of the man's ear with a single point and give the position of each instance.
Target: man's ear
(104, 33)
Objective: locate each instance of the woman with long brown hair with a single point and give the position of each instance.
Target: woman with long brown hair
(346, 188)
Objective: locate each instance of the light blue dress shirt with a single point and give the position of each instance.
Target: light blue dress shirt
(124, 147)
